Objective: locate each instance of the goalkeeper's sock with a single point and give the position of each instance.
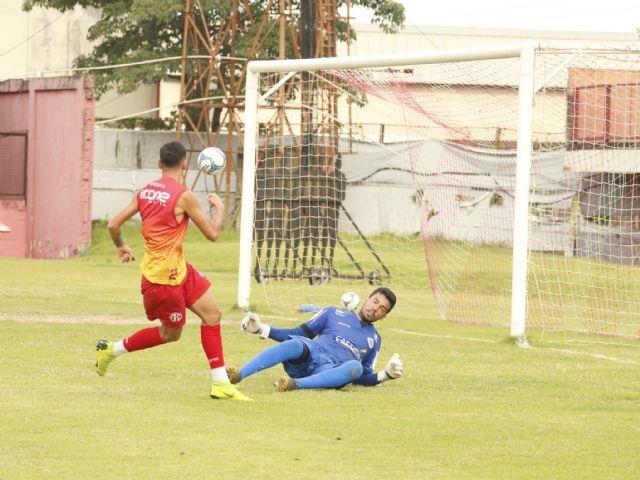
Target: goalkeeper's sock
(145, 338)
(333, 377)
(285, 351)
(211, 339)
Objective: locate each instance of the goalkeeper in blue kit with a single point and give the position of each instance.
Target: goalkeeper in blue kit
(332, 349)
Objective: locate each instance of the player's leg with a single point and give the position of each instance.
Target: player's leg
(140, 340)
(198, 287)
(161, 302)
(328, 378)
(290, 350)
(210, 334)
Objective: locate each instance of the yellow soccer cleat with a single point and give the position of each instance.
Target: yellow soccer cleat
(105, 356)
(234, 374)
(226, 391)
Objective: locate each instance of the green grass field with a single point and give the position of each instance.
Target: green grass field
(470, 405)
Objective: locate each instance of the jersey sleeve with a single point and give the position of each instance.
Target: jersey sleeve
(282, 334)
(309, 329)
(369, 377)
(316, 324)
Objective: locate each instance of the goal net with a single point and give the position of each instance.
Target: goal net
(402, 172)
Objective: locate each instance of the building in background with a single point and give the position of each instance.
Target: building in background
(45, 42)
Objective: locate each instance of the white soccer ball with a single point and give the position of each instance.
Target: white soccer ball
(350, 300)
(211, 160)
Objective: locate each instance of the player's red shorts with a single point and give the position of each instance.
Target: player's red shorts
(169, 303)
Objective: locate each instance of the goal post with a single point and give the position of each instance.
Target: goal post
(525, 52)
(521, 202)
(487, 186)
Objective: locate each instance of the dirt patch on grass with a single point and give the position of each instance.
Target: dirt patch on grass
(90, 319)
(84, 319)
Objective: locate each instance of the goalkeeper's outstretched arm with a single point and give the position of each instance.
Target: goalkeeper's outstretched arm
(251, 323)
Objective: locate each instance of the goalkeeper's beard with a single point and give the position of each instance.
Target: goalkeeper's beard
(363, 317)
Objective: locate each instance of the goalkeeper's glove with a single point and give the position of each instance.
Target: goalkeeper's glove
(251, 324)
(393, 369)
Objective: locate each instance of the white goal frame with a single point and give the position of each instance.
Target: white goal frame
(526, 53)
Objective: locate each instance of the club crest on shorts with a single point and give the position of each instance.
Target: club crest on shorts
(370, 341)
(175, 317)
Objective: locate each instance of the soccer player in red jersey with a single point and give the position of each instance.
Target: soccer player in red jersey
(169, 284)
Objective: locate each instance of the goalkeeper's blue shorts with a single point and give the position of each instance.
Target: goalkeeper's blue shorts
(318, 360)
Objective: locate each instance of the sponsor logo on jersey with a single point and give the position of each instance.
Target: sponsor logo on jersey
(173, 274)
(344, 324)
(155, 196)
(175, 317)
(348, 345)
(370, 342)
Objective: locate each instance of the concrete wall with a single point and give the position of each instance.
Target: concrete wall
(62, 38)
(113, 104)
(57, 40)
(125, 160)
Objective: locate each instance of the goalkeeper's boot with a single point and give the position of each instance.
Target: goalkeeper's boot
(105, 356)
(234, 374)
(226, 391)
(286, 384)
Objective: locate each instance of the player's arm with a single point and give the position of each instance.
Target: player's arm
(310, 329)
(210, 227)
(369, 377)
(115, 229)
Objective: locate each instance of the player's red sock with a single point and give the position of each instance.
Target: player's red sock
(212, 344)
(145, 338)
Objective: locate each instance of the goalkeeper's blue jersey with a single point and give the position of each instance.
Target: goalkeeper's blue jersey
(345, 337)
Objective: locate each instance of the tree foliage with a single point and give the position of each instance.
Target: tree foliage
(138, 30)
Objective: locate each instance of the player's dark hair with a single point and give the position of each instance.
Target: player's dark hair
(388, 294)
(172, 153)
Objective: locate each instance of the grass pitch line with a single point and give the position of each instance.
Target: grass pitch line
(598, 356)
(75, 319)
(447, 337)
(91, 319)
(595, 342)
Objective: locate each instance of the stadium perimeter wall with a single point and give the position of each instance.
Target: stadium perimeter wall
(386, 202)
(125, 160)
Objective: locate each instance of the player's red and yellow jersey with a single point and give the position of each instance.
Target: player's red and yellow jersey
(163, 260)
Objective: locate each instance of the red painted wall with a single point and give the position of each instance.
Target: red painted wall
(54, 220)
(14, 215)
(605, 105)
